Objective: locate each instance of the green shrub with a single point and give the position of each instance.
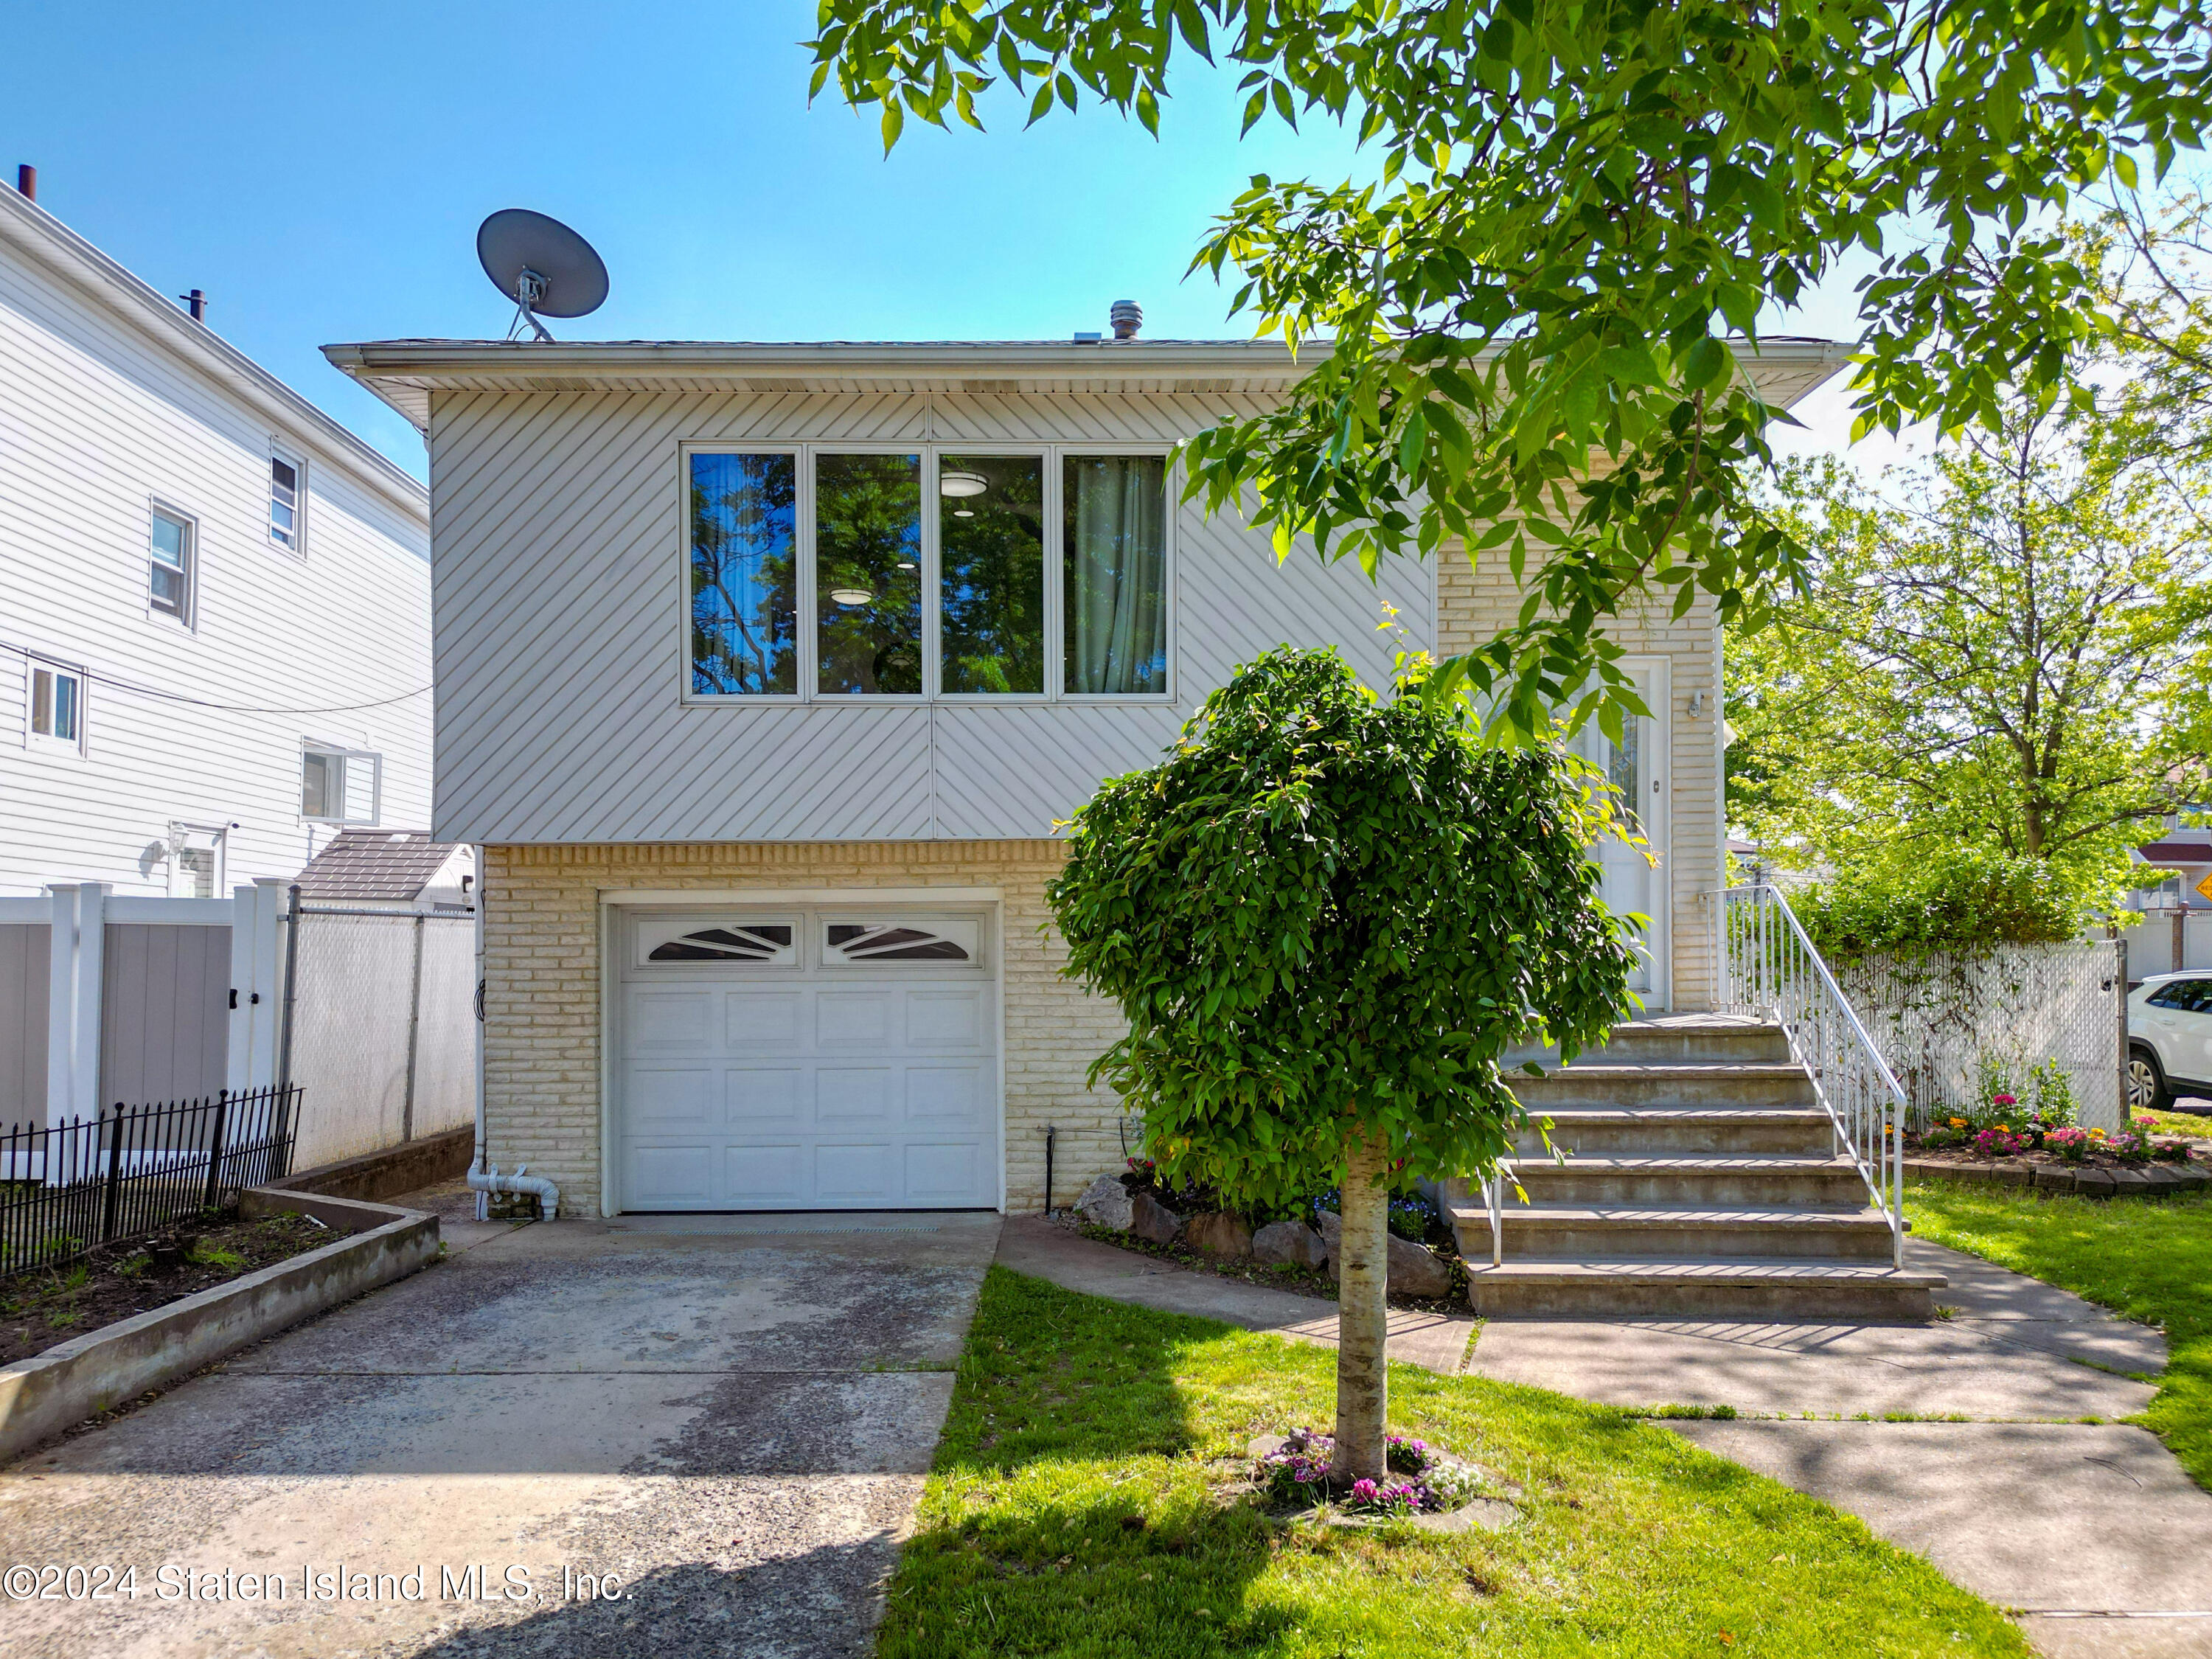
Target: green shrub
(1963, 898)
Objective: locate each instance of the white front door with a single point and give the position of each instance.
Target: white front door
(801, 1058)
(1637, 768)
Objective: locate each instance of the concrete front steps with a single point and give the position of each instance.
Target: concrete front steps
(1701, 1180)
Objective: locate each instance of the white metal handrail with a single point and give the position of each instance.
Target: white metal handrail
(1769, 969)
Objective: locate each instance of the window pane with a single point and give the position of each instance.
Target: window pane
(322, 786)
(168, 541)
(42, 701)
(67, 690)
(284, 498)
(1116, 562)
(990, 539)
(744, 574)
(867, 574)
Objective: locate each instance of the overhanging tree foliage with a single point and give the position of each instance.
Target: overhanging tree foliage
(2008, 650)
(1326, 916)
(1580, 211)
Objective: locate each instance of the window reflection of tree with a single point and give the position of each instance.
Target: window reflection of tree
(743, 574)
(867, 519)
(990, 606)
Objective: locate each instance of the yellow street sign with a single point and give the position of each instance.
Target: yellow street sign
(2205, 887)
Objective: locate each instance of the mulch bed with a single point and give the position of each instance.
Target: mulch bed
(52, 1305)
(1274, 1276)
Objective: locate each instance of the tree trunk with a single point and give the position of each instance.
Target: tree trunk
(1363, 1383)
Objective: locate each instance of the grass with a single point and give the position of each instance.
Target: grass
(1078, 1508)
(2185, 1124)
(2149, 1259)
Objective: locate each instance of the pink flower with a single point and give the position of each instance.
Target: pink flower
(2005, 1100)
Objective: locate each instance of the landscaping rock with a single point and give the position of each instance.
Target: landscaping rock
(2131, 1183)
(1293, 1241)
(2054, 1178)
(1414, 1269)
(2093, 1183)
(1105, 1203)
(1219, 1235)
(1152, 1221)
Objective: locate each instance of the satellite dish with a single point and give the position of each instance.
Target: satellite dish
(541, 264)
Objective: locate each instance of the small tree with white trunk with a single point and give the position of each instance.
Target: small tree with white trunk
(1327, 914)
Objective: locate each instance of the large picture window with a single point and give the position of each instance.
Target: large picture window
(815, 573)
(1114, 553)
(744, 574)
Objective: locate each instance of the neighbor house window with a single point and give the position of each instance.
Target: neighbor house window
(56, 706)
(744, 574)
(867, 574)
(341, 786)
(1114, 565)
(990, 543)
(169, 565)
(284, 501)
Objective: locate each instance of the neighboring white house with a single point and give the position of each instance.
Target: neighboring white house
(215, 622)
(764, 674)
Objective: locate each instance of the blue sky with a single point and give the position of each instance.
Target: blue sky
(320, 172)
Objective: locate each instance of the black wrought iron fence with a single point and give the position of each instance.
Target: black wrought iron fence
(67, 1190)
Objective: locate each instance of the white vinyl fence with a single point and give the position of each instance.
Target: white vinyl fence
(1942, 1020)
(384, 1029)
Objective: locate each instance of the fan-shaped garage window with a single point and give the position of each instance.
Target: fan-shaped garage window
(732, 942)
(858, 942)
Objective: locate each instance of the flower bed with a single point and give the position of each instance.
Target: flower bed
(1422, 1479)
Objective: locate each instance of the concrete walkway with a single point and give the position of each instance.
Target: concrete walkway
(2094, 1531)
(731, 1414)
(1032, 1245)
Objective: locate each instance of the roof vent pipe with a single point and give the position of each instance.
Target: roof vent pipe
(1128, 316)
(26, 180)
(195, 302)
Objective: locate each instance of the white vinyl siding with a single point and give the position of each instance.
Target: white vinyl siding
(101, 417)
(562, 621)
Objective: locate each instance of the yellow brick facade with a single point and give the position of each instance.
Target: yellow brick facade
(1474, 605)
(543, 989)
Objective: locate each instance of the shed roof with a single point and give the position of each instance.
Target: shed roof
(386, 866)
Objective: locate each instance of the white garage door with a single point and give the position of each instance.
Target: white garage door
(788, 1058)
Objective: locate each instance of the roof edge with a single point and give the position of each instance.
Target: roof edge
(27, 226)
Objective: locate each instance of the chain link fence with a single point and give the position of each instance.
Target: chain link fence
(1944, 1022)
(382, 1029)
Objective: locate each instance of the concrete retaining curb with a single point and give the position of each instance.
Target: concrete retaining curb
(2146, 1181)
(41, 1396)
(395, 1170)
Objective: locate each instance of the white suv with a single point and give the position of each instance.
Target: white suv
(2169, 1039)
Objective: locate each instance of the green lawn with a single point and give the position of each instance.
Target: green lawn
(2187, 1124)
(1076, 1508)
(2150, 1259)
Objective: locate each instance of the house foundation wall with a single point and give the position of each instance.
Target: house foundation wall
(543, 1053)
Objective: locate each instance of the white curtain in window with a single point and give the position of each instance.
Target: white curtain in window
(1117, 574)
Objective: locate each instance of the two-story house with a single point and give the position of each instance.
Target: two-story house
(215, 642)
(764, 675)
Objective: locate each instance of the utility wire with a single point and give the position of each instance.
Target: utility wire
(201, 702)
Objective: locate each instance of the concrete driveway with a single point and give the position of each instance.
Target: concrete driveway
(730, 1415)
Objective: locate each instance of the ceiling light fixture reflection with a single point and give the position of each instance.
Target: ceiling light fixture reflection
(851, 595)
(963, 512)
(960, 485)
(908, 564)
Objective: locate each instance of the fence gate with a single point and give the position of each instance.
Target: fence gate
(382, 1030)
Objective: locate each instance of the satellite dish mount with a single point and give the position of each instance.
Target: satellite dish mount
(541, 264)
